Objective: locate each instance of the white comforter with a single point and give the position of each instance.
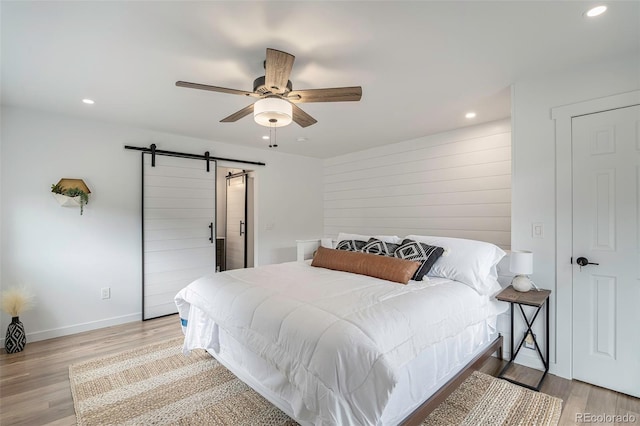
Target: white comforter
(340, 338)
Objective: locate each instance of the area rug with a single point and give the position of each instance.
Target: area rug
(157, 384)
(484, 400)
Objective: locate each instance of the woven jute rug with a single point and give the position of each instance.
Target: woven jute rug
(158, 385)
(484, 400)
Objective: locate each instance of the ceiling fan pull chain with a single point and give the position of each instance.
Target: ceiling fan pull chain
(272, 131)
(275, 137)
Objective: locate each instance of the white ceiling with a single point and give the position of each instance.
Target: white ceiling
(422, 65)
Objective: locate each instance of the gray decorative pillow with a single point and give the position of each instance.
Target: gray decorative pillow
(419, 252)
(351, 245)
(376, 246)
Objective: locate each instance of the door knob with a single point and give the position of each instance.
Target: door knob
(583, 261)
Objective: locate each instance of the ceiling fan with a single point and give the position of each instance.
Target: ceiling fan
(276, 98)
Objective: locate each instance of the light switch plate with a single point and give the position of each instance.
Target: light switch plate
(537, 230)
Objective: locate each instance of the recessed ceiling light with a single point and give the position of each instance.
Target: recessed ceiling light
(88, 101)
(266, 138)
(595, 11)
(470, 115)
(302, 139)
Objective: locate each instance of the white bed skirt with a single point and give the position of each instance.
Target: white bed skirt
(419, 379)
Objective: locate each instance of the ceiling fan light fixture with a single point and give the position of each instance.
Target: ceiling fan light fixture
(269, 109)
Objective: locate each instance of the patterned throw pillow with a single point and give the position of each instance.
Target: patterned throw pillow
(376, 246)
(351, 245)
(420, 252)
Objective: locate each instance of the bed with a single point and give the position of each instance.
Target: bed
(333, 347)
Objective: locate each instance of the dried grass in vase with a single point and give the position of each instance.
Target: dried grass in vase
(16, 300)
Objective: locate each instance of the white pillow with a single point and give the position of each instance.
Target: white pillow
(468, 261)
(394, 239)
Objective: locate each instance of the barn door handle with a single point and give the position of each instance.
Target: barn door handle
(241, 225)
(211, 232)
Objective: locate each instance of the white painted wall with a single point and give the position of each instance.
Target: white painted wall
(534, 169)
(66, 258)
(455, 184)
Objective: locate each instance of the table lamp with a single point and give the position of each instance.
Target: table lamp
(521, 264)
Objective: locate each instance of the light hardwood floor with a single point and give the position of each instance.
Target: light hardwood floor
(34, 384)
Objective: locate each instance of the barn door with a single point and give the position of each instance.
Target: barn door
(178, 222)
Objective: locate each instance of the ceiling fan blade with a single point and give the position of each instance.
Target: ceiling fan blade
(215, 89)
(278, 67)
(337, 94)
(238, 115)
(302, 118)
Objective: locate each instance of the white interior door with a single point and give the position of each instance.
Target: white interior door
(606, 203)
(236, 222)
(179, 205)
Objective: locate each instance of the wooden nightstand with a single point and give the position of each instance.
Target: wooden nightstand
(536, 299)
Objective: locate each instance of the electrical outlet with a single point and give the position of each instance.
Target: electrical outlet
(528, 342)
(105, 292)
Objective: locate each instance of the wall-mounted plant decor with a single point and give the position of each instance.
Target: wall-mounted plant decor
(71, 193)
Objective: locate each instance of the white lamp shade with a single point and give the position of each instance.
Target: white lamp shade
(521, 262)
(276, 109)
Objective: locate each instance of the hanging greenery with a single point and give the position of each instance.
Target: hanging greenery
(72, 192)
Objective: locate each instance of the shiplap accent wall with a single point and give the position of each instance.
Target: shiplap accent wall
(455, 184)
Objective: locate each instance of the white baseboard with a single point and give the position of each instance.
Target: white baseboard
(79, 328)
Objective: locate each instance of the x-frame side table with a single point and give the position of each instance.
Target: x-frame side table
(537, 299)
